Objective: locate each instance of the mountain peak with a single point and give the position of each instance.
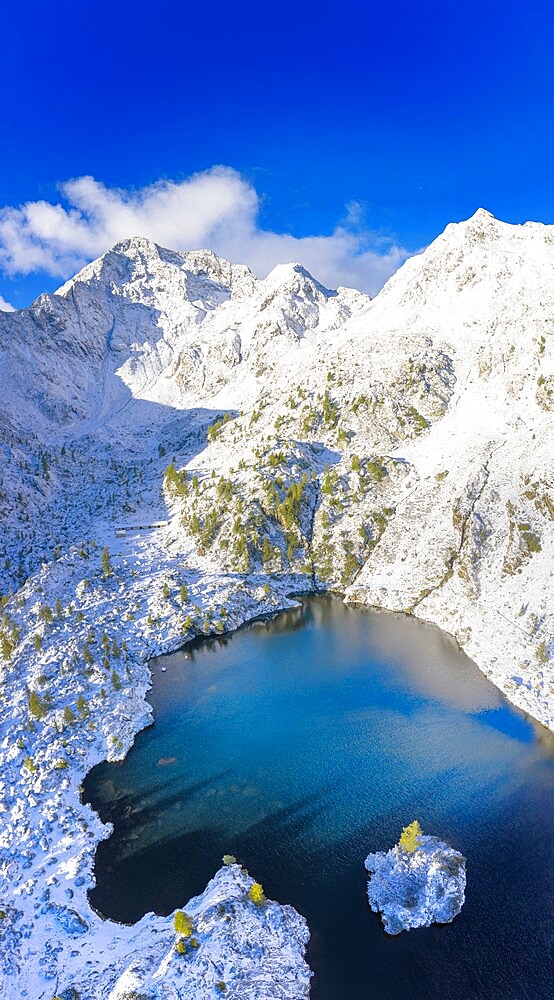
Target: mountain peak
(482, 215)
(132, 245)
(291, 275)
(139, 257)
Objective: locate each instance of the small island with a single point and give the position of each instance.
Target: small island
(419, 882)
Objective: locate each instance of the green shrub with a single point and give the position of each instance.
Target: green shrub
(421, 423)
(376, 470)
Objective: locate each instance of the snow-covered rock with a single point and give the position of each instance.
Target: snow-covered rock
(419, 888)
(237, 949)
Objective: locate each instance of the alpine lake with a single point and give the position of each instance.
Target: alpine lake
(301, 743)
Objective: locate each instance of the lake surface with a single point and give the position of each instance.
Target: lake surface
(303, 743)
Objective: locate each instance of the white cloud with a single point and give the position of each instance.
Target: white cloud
(6, 306)
(216, 208)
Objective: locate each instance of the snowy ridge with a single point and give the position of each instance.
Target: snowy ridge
(294, 438)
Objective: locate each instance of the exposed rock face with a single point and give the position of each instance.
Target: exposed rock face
(416, 889)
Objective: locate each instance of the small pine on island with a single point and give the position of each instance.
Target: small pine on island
(419, 882)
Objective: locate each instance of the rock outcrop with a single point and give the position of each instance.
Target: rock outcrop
(237, 949)
(418, 888)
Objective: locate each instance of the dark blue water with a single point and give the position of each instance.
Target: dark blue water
(300, 745)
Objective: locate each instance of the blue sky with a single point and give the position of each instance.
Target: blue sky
(358, 130)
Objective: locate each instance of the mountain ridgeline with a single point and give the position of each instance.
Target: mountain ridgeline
(398, 450)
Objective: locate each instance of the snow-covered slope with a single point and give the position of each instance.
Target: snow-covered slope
(289, 437)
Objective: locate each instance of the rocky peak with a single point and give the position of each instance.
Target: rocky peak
(141, 263)
(294, 277)
(474, 268)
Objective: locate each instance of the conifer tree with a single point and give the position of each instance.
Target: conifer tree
(170, 474)
(256, 894)
(6, 646)
(36, 706)
(183, 924)
(267, 551)
(409, 839)
(45, 614)
(107, 569)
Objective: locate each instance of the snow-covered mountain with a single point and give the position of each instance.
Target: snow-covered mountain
(144, 323)
(398, 450)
